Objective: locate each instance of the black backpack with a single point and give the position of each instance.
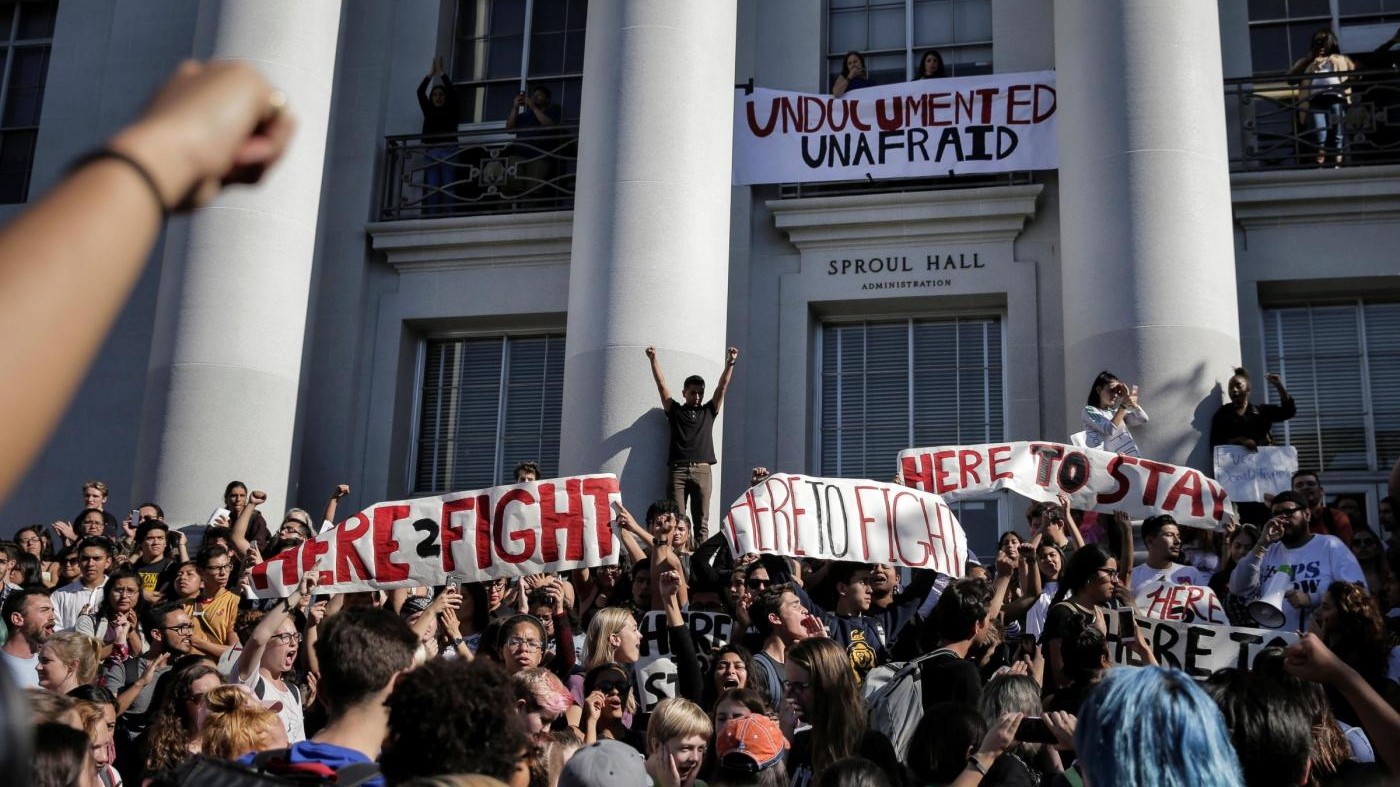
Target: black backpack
(269, 769)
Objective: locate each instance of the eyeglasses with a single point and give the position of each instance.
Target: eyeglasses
(30, 540)
(1111, 573)
(610, 686)
(183, 628)
(219, 569)
(756, 583)
(287, 637)
(527, 645)
(796, 685)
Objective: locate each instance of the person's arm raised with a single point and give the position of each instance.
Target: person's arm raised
(88, 239)
(730, 358)
(238, 534)
(660, 379)
(341, 490)
(1310, 659)
(247, 665)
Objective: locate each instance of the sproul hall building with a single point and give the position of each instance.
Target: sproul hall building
(415, 315)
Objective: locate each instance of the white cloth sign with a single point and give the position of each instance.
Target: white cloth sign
(979, 124)
(846, 519)
(1095, 480)
(1248, 476)
(1195, 648)
(655, 670)
(505, 531)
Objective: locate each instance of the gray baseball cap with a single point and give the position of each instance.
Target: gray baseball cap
(606, 764)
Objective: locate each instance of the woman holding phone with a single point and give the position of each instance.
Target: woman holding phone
(1112, 407)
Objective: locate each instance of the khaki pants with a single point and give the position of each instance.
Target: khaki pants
(692, 480)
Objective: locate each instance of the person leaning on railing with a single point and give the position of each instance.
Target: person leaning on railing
(1326, 96)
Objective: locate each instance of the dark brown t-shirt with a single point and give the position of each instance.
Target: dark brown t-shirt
(692, 432)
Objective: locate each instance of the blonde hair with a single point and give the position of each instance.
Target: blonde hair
(91, 714)
(677, 717)
(48, 707)
(100, 486)
(236, 724)
(78, 649)
(598, 647)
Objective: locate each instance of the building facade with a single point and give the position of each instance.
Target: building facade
(366, 321)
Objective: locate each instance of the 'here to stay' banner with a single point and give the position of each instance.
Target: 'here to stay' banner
(980, 124)
(1094, 480)
(847, 519)
(504, 531)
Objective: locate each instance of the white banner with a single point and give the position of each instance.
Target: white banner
(846, 519)
(1095, 480)
(1195, 648)
(1248, 476)
(655, 670)
(1180, 602)
(925, 128)
(506, 531)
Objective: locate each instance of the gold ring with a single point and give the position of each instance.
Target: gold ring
(276, 102)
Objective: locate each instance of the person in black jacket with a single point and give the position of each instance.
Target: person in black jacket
(439, 119)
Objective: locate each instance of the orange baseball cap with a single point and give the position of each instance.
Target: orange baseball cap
(750, 744)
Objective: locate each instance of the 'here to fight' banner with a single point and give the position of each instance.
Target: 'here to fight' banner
(1095, 480)
(929, 127)
(505, 531)
(1198, 649)
(847, 519)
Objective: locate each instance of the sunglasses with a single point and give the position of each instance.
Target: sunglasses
(610, 686)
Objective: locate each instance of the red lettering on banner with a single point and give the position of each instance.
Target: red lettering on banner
(1188, 485)
(783, 530)
(894, 517)
(934, 104)
(451, 530)
(1074, 472)
(748, 502)
(485, 557)
(892, 120)
(385, 569)
(968, 461)
(987, 96)
(1115, 471)
(1045, 462)
(764, 130)
(996, 455)
(310, 552)
(917, 471)
(1013, 101)
(346, 556)
(570, 520)
(1154, 474)
(601, 491)
(524, 537)
(797, 512)
(863, 520)
(854, 106)
(1217, 496)
(941, 481)
(288, 562)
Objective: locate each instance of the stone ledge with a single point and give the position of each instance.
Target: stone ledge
(977, 215)
(1349, 195)
(474, 241)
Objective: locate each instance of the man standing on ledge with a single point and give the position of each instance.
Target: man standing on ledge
(692, 448)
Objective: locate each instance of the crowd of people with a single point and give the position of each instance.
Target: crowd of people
(146, 664)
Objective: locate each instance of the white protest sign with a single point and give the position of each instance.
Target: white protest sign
(1180, 602)
(846, 519)
(1248, 476)
(1095, 480)
(1195, 648)
(506, 531)
(935, 127)
(655, 670)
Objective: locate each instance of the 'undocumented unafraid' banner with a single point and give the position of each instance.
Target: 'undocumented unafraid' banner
(1095, 480)
(991, 123)
(505, 531)
(845, 519)
(1197, 649)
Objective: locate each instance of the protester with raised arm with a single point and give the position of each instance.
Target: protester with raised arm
(692, 448)
(271, 652)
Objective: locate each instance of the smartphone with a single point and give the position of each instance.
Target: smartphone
(1127, 624)
(219, 512)
(1033, 730)
(135, 517)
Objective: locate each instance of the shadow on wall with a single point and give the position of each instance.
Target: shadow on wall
(1195, 444)
(651, 425)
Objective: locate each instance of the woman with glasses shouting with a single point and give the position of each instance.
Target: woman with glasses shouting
(270, 654)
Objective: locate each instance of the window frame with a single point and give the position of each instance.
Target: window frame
(1333, 20)
(522, 80)
(911, 49)
(10, 45)
(415, 440)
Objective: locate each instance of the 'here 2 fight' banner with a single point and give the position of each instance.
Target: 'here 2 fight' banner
(1095, 480)
(505, 531)
(991, 123)
(1198, 649)
(846, 519)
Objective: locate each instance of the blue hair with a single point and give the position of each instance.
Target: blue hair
(1154, 727)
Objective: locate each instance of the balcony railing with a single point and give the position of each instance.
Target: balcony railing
(479, 172)
(1293, 122)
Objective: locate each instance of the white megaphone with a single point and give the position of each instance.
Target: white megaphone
(1267, 610)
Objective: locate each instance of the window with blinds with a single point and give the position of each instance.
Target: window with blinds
(1341, 364)
(893, 34)
(486, 405)
(891, 385)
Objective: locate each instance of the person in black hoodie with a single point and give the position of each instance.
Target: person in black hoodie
(439, 119)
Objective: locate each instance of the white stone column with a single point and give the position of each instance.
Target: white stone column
(650, 255)
(226, 360)
(1148, 252)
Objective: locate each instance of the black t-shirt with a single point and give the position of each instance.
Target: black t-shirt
(948, 677)
(692, 432)
(1227, 424)
(155, 575)
(874, 747)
